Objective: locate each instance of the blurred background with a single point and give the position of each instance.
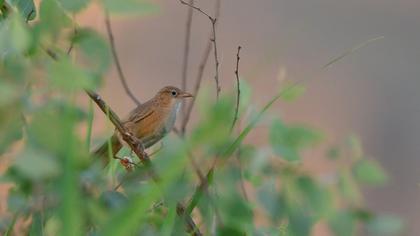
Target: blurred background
(372, 93)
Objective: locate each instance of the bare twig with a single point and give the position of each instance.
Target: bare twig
(117, 61)
(71, 44)
(186, 48)
(191, 226)
(235, 120)
(72, 41)
(238, 89)
(213, 21)
(200, 74)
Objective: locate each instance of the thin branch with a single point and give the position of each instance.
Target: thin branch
(191, 226)
(235, 120)
(74, 34)
(200, 74)
(238, 89)
(213, 21)
(186, 49)
(117, 61)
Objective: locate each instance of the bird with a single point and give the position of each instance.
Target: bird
(149, 122)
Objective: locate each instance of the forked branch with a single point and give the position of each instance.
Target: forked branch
(213, 21)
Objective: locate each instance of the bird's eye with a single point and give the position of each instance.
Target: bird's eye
(174, 93)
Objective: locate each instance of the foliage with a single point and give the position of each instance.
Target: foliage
(63, 190)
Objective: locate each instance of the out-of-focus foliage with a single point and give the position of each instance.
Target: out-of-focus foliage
(60, 189)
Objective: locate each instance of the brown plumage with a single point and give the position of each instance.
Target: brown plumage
(150, 121)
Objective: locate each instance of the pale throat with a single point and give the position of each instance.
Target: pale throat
(172, 115)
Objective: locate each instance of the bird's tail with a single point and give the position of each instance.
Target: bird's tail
(103, 150)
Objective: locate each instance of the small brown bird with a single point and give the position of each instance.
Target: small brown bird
(150, 121)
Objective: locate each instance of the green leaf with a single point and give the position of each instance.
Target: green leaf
(37, 224)
(213, 129)
(385, 225)
(348, 188)
(342, 223)
(46, 127)
(36, 164)
(71, 204)
(130, 7)
(94, 49)
(355, 147)
(14, 36)
(53, 18)
(369, 172)
(25, 7)
(317, 197)
(289, 141)
(67, 76)
(291, 92)
(131, 218)
(300, 223)
(74, 5)
(10, 125)
(272, 202)
(113, 199)
(169, 222)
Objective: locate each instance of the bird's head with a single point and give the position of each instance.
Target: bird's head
(170, 95)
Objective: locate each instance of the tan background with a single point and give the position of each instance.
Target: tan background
(372, 93)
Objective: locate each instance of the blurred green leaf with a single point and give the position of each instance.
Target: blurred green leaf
(71, 207)
(385, 225)
(9, 92)
(14, 36)
(333, 153)
(36, 164)
(16, 200)
(272, 201)
(11, 123)
(169, 222)
(53, 18)
(317, 197)
(25, 7)
(74, 5)
(291, 92)
(9, 230)
(348, 188)
(130, 7)
(235, 212)
(213, 129)
(355, 147)
(342, 223)
(369, 172)
(300, 223)
(46, 129)
(131, 218)
(37, 226)
(94, 49)
(229, 231)
(67, 76)
(52, 226)
(288, 141)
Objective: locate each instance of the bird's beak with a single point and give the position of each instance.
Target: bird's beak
(186, 95)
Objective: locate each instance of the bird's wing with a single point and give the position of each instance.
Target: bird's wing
(141, 112)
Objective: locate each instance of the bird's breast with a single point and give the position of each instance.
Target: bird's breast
(155, 127)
